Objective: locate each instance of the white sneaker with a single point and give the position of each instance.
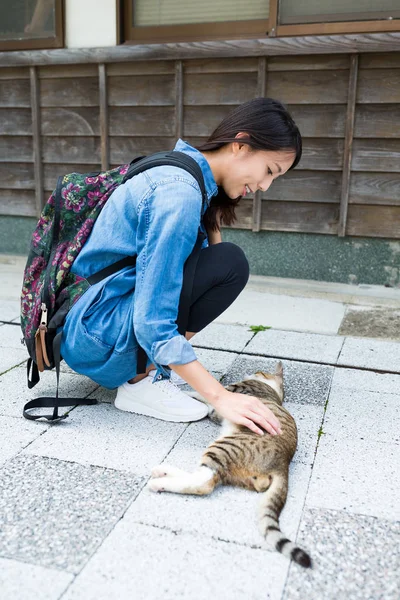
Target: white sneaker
(162, 400)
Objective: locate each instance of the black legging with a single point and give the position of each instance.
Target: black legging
(222, 272)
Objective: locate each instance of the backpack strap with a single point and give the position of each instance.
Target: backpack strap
(52, 402)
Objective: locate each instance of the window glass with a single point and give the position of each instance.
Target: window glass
(175, 12)
(27, 19)
(319, 11)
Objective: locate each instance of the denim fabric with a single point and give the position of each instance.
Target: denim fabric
(156, 216)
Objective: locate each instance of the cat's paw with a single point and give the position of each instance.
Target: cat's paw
(214, 417)
(159, 471)
(156, 485)
(165, 470)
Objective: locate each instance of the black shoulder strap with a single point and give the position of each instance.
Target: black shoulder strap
(173, 158)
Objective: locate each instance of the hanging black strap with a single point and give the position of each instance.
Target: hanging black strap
(46, 401)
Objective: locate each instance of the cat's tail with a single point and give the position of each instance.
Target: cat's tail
(272, 503)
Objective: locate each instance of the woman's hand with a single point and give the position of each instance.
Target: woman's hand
(249, 411)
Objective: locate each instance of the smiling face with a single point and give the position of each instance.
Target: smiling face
(246, 170)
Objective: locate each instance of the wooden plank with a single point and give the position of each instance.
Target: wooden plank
(262, 85)
(37, 140)
(375, 188)
(52, 172)
(62, 71)
(306, 186)
(14, 73)
(69, 92)
(300, 216)
(309, 63)
(219, 88)
(266, 46)
(67, 121)
(221, 65)
(374, 221)
(157, 90)
(318, 87)
(244, 214)
(383, 60)
(319, 120)
(348, 144)
(142, 120)
(202, 120)
(71, 150)
(103, 101)
(16, 149)
(15, 121)
(124, 149)
(321, 154)
(378, 85)
(20, 203)
(141, 67)
(178, 116)
(18, 176)
(376, 155)
(377, 120)
(15, 94)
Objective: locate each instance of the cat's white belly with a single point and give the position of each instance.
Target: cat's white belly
(227, 428)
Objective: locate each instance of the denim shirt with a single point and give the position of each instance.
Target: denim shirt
(155, 216)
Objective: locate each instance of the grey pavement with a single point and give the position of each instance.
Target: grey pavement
(76, 518)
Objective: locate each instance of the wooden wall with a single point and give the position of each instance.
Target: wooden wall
(57, 119)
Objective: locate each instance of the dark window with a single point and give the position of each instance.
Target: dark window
(26, 24)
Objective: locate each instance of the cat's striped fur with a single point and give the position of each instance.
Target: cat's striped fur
(242, 458)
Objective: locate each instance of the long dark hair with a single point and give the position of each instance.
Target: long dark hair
(269, 127)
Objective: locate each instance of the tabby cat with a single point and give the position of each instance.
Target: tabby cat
(243, 458)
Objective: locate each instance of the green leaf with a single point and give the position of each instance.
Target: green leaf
(257, 328)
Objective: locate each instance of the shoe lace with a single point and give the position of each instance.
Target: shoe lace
(168, 386)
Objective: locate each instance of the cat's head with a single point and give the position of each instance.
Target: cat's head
(275, 380)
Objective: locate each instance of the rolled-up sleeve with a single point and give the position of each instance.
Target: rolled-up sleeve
(168, 222)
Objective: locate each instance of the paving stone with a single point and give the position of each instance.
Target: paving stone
(228, 513)
(56, 513)
(9, 309)
(359, 476)
(352, 379)
(16, 434)
(354, 557)
(371, 354)
(305, 383)
(22, 581)
(223, 337)
(284, 312)
(363, 415)
(147, 563)
(300, 346)
(215, 360)
(14, 392)
(102, 435)
(372, 322)
(11, 357)
(10, 337)
(308, 420)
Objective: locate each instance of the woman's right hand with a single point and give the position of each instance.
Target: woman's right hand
(249, 411)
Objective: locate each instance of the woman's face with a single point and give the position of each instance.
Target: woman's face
(247, 170)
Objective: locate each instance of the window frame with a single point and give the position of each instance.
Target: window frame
(330, 27)
(40, 43)
(257, 28)
(191, 32)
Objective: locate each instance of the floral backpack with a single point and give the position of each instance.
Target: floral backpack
(50, 289)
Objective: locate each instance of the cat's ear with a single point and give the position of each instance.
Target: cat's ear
(279, 369)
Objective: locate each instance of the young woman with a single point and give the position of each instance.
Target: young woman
(156, 216)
